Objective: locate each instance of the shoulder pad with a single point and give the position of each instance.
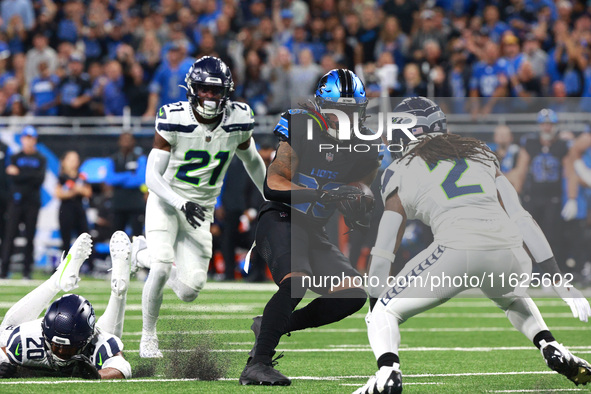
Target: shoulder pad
(240, 117)
(298, 118)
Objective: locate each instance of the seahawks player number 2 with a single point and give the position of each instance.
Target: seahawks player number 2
(204, 158)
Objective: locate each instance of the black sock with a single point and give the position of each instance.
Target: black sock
(327, 309)
(388, 360)
(543, 335)
(275, 319)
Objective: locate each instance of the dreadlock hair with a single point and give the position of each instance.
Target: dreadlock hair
(451, 146)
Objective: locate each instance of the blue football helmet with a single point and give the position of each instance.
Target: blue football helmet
(209, 83)
(430, 120)
(547, 116)
(68, 326)
(341, 89)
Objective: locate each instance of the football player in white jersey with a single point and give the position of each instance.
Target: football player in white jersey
(454, 185)
(194, 142)
(66, 341)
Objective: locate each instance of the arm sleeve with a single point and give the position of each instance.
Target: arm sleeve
(157, 163)
(382, 254)
(120, 364)
(534, 238)
(254, 164)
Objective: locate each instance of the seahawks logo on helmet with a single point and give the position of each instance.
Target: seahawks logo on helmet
(209, 84)
(430, 119)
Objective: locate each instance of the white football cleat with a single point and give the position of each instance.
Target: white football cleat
(138, 244)
(120, 248)
(149, 347)
(387, 380)
(67, 273)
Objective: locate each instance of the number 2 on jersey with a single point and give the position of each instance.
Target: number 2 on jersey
(449, 184)
(204, 159)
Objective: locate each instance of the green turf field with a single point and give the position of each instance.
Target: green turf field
(464, 346)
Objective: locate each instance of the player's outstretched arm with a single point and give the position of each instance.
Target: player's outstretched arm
(116, 367)
(157, 163)
(388, 240)
(540, 249)
(253, 163)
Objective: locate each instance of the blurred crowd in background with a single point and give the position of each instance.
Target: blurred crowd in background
(99, 57)
(96, 57)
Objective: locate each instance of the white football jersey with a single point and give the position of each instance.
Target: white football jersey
(456, 198)
(25, 346)
(200, 157)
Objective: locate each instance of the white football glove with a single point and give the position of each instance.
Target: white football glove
(381, 382)
(578, 304)
(569, 212)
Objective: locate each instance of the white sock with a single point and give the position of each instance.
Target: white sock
(525, 317)
(112, 320)
(143, 258)
(30, 306)
(383, 332)
(152, 296)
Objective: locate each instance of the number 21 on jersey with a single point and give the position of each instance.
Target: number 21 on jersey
(204, 159)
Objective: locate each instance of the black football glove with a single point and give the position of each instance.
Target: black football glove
(84, 368)
(344, 192)
(193, 213)
(7, 370)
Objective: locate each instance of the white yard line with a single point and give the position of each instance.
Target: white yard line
(318, 378)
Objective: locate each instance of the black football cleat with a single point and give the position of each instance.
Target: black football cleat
(394, 383)
(263, 374)
(256, 329)
(559, 359)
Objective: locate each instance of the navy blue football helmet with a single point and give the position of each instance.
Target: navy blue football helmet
(68, 326)
(430, 119)
(341, 89)
(209, 83)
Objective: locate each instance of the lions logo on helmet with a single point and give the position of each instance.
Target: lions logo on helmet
(68, 326)
(342, 90)
(430, 120)
(209, 83)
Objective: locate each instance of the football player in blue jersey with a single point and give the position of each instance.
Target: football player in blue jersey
(303, 186)
(67, 341)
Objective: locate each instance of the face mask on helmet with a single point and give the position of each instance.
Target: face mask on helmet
(61, 354)
(208, 100)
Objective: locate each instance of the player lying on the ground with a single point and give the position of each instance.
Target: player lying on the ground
(194, 142)
(66, 341)
(473, 236)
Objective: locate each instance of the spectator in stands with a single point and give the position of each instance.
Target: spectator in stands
(164, 88)
(278, 75)
(136, 90)
(40, 53)
(4, 188)
(304, 75)
(538, 176)
(127, 174)
(13, 98)
(392, 40)
(340, 48)
(149, 54)
(44, 91)
(5, 73)
(16, 33)
(21, 8)
(112, 88)
(488, 80)
(412, 84)
(534, 54)
(75, 89)
(426, 32)
(70, 25)
(27, 172)
(405, 11)
(505, 149)
(71, 190)
(255, 89)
